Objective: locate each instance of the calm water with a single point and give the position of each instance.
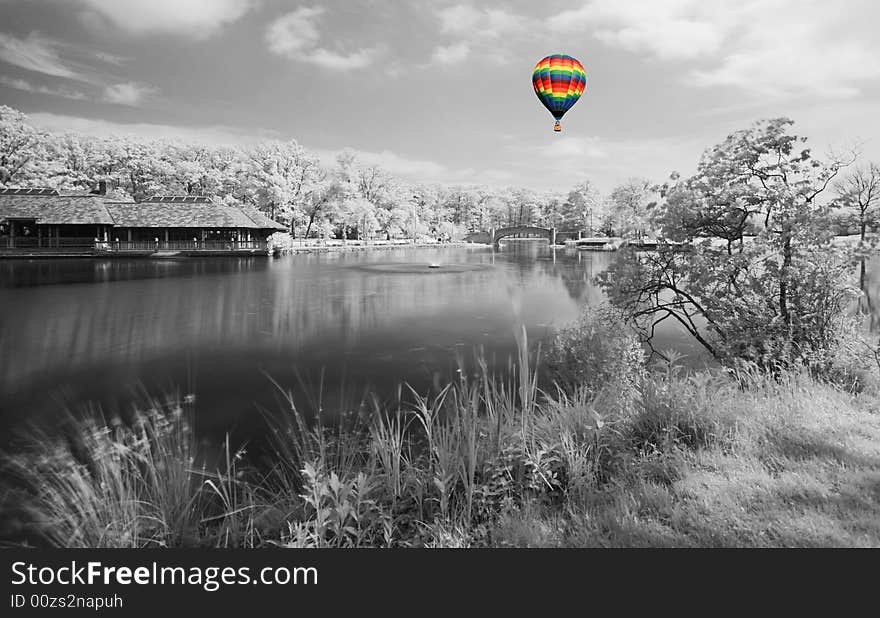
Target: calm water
(77, 331)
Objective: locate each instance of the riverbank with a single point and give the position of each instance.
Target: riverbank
(706, 459)
(276, 249)
(328, 246)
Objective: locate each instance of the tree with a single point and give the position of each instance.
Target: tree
(197, 169)
(551, 210)
(629, 207)
(22, 149)
(774, 300)
(143, 168)
(320, 197)
(80, 162)
(859, 193)
(281, 175)
(358, 213)
(582, 207)
(462, 205)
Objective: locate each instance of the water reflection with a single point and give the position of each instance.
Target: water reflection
(72, 331)
(869, 302)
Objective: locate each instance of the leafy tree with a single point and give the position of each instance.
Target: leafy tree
(358, 213)
(143, 168)
(859, 194)
(628, 208)
(281, 175)
(319, 200)
(22, 149)
(775, 299)
(583, 207)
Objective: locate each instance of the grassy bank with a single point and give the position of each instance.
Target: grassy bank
(667, 459)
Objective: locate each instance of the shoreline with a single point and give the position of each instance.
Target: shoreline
(350, 246)
(356, 245)
(698, 470)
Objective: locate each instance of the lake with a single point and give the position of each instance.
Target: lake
(334, 324)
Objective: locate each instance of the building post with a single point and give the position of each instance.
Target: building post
(553, 236)
(39, 236)
(166, 237)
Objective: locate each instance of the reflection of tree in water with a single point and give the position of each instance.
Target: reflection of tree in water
(869, 279)
(575, 269)
(279, 308)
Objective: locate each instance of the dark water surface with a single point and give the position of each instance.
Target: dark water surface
(93, 330)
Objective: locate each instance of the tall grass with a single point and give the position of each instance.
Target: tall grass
(111, 483)
(650, 458)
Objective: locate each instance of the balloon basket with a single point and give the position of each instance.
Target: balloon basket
(557, 127)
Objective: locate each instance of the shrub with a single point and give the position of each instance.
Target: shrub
(113, 484)
(748, 266)
(675, 411)
(596, 352)
(339, 512)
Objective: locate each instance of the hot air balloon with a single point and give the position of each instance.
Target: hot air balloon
(559, 82)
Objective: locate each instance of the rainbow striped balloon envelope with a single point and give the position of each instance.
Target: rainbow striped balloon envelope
(559, 82)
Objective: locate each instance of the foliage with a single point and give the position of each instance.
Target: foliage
(116, 484)
(628, 212)
(283, 179)
(22, 149)
(582, 209)
(859, 196)
(338, 513)
(775, 298)
(710, 458)
(596, 352)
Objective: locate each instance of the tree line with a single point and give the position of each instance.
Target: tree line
(345, 199)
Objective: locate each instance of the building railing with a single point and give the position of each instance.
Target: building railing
(111, 246)
(184, 245)
(32, 243)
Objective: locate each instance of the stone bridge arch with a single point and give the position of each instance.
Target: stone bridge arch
(494, 235)
(504, 232)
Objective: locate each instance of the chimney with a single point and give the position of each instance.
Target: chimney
(102, 188)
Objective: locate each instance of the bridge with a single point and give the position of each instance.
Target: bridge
(494, 236)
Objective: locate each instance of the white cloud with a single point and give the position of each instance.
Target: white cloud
(128, 93)
(451, 54)
(37, 53)
(466, 21)
(459, 19)
(296, 36)
(586, 147)
(296, 32)
(795, 58)
(412, 169)
(213, 135)
(26, 86)
(41, 54)
(780, 48)
(196, 18)
(482, 30)
(566, 159)
(668, 29)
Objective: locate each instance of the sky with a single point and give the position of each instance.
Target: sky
(440, 91)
